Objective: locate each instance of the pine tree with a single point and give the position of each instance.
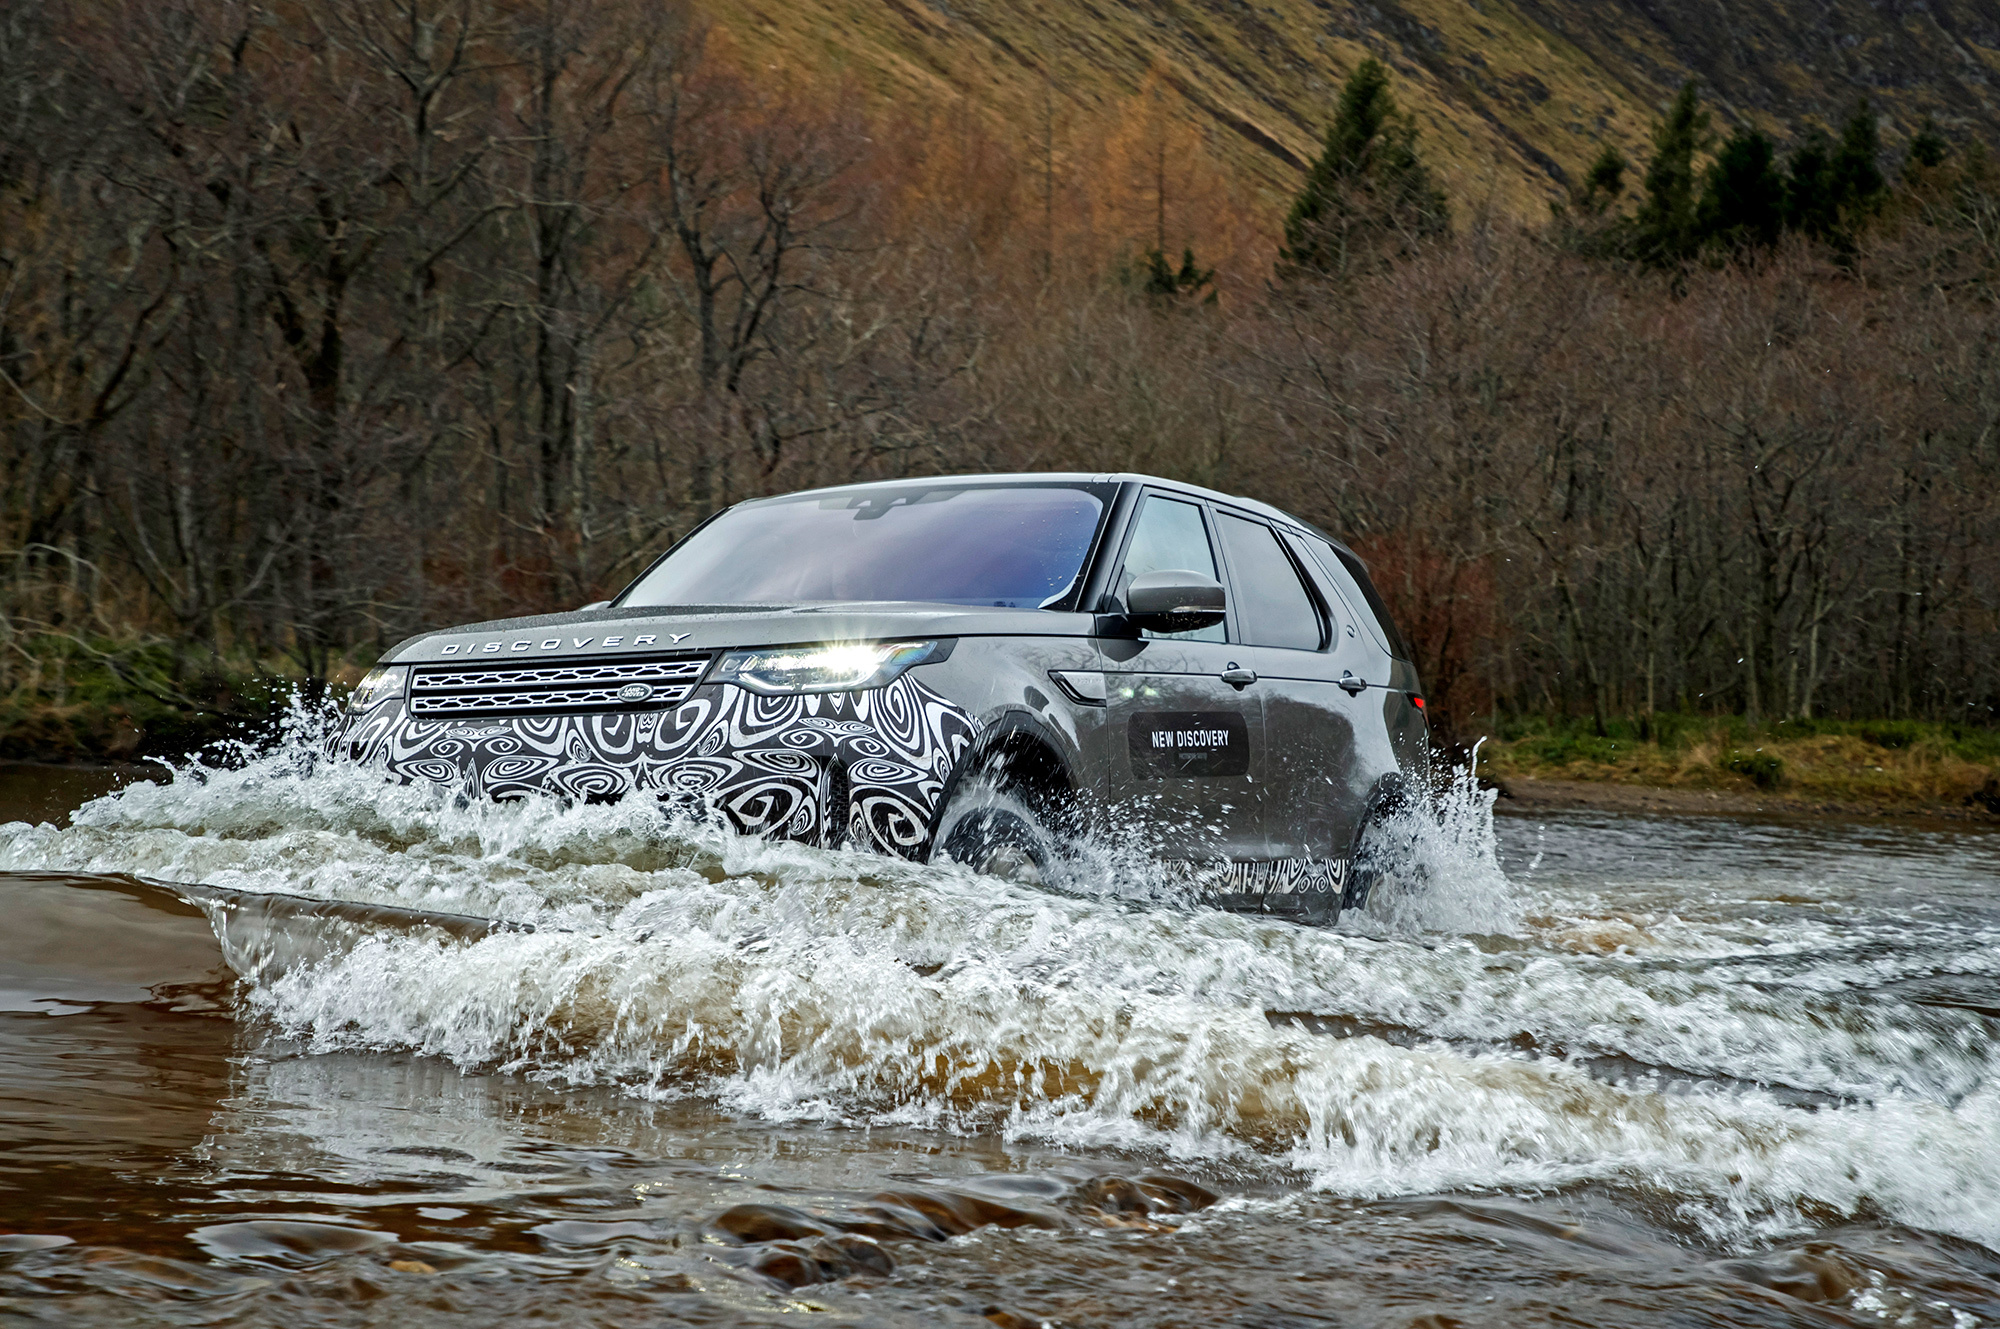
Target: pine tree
(1584, 220)
(1666, 232)
(1159, 279)
(1811, 207)
(1743, 195)
(1857, 178)
(1369, 192)
(1835, 186)
(1602, 183)
(1928, 147)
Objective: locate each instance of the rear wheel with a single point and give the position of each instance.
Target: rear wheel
(1384, 847)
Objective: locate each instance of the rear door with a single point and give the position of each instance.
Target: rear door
(1323, 727)
(1345, 696)
(1186, 765)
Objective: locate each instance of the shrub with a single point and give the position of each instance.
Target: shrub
(1764, 770)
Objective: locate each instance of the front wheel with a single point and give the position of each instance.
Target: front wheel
(995, 832)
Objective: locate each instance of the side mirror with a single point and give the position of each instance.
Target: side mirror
(1175, 600)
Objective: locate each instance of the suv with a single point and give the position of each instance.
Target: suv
(987, 668)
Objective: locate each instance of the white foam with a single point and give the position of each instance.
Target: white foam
(792, 982)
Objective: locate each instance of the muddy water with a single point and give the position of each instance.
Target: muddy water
(372, 1058)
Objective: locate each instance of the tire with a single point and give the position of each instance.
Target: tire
(996, 834)
(1001, 844)
(1383, 844)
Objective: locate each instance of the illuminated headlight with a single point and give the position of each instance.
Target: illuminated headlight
(378, 684)
(832, 668)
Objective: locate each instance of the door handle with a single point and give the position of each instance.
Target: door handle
(1349, 684)
(1236, 676)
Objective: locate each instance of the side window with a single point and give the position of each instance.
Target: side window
(1273, 607)
(1352, 582)
(1170, 535)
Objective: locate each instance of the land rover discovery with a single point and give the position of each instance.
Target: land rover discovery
(987, 668)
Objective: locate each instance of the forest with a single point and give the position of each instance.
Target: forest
(321, 324)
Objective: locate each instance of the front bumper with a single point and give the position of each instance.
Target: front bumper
(858, 768)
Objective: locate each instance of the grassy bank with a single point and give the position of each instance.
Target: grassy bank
(98, 701)
(1885, 763)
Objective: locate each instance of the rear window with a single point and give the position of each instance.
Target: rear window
(1351, 577)
(1273, 607)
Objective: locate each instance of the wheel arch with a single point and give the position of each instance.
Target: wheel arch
(1029, 758)
(1392, 791)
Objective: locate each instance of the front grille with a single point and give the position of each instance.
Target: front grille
(591, 685)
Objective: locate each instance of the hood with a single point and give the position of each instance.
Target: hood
(680, 628)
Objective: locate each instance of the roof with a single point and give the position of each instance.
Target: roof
(1078, 477)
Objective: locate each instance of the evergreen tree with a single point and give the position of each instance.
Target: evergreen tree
(1602, 183)
(1811, 206)
(1667, 230)
(1743, 194)
(1928, 147)
(1857, 179)
(1834, 186)
(1159, 279)
(1584, 221)
(1369, 191)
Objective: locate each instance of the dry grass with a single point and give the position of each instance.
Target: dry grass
(1881, 763)
(1509, 98)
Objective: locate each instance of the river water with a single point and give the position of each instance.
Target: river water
(568, 1065)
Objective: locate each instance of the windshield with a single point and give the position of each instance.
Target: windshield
(1017, 547)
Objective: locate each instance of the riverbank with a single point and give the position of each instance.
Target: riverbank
(1704, 764)
(1528, 795)
(109, 702)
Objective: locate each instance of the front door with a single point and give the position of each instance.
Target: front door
(1188, 780)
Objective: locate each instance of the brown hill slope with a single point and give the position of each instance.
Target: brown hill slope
(1512, 96)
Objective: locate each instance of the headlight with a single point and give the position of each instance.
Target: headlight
(378, 684)
(833, 668)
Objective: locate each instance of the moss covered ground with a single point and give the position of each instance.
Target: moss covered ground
(103, 701)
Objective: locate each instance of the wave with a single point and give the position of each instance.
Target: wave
(1496, 1036)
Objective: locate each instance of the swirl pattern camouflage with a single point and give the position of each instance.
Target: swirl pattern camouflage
(862, 768)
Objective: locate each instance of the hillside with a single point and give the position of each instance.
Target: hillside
(313, 339)
(1513, 96)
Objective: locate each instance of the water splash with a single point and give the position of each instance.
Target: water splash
(1484, 1048)
(1446, 875)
